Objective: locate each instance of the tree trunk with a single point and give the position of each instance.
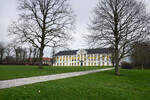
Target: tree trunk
(117, 68)
(16, 58)
(116, 61)
(29, 59)
(24, 57)
(35, 58)
(1, 58)
(41, 58)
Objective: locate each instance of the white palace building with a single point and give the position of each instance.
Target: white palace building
(87, 57)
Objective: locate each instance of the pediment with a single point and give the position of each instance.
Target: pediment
(81, 51)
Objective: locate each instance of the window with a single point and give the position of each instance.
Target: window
(108, 58)
(63, 58)
(66, 58)
(103, 63)
(60, 58)
(88, 57)
(70, 58)
(99, 64)
(95, 58)
(98, 57)
(103, 57)
(81, 57)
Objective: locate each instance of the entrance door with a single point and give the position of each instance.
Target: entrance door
(81, 63)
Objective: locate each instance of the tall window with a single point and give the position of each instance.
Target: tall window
(108, 58)
(103, 64)
(103, 57)
(89, 57)
(66, 58)
(98, 57)
(95, 58)
(60, 58)
(63, 58)
(70, 58)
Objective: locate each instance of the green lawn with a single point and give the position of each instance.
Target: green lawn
(132, 85)
(11, 72)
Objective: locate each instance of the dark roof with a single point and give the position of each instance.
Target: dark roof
(89, 51)
(70, 52)
(98, 50)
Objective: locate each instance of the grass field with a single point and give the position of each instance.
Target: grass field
(131, 85)
(11, 72)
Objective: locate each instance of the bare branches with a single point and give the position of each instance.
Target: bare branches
(43, 22)
(119, 23)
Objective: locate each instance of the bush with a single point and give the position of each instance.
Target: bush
(140, 66)
(126, 65)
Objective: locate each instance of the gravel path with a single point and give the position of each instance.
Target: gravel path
(31, 80)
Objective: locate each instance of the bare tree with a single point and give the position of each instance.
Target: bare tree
(2, 51)
(30, 54)
(35, 56)
(17, 51)
(8, 50)
(43, 22)
(53, 52)
(24, 55)
(117, 24)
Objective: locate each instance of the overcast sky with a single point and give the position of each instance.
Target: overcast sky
(82, 8)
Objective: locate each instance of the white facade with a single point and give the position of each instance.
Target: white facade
(82, 58)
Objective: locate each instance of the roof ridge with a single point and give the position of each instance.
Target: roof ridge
(89, 51)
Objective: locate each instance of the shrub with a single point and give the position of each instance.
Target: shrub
(126, 65)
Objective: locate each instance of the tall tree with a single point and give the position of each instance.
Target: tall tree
(8, 50)
(24, 55)
(118, 23)
(30, 54)
(43, 22)
(35, 56)
(53, 52)
(2, 51)
(17, 51)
